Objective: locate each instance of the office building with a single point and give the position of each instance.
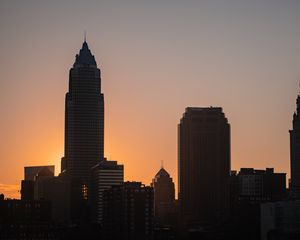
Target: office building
(128, 212)
(280, 220)
(30, 172)
(31, 188)
(164, 198)
(104, 175)
(261, 185)
(249, 188)
(204, 166)
(84, 118)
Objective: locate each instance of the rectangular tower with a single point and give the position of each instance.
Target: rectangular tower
(204, 166)
(104, 175)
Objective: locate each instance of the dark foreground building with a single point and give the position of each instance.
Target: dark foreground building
(31, 187)
(128, 212)
(280, 220)
(104, 175)
(204, 166)
(25, 219)
(249, 188)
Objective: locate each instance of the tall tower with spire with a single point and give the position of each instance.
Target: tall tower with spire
(295, 153)
(84, 117)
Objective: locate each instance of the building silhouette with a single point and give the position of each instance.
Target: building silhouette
(84, 118)
(63, 193)
(104, 175)
(39, 180)
(249, 188)
(84, 138)
(30, 172)
(164, 198)
(128, 212)
(280, 220)
(263, 185)
(204, 166)
(25, 219)
(27, 190)
(31, 187)
(295, 153)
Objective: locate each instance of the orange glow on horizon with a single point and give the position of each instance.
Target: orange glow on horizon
(239, 56)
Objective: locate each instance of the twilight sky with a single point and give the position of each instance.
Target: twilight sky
(157, 57)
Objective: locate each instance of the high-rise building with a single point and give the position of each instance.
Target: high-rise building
(31, 171)
(249, 188)
(39, 188)
(128, 212)
(104, 175)
(295, 153)
(204, 166)
(27, 190)
(84, 118)
(280, 220)
(63, 193)
(164, 197)
(30, 187)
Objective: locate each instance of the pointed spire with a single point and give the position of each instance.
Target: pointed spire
(85, 57)
(162, 173)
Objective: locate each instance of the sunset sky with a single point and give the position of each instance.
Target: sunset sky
(157, 57)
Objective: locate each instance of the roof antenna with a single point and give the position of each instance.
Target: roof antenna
(85, 35)
(162, 163)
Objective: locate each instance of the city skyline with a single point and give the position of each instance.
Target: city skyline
(148, 95)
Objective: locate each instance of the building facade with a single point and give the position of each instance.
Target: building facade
(262, 185)
(25, 219)
(31, 186)
(280, 220)
(249, 188)
(128, 212)
(164, 198)
(204, 166)
(104, 175)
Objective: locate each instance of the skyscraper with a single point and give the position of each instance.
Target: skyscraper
(204, 166)
(104, 175)
(295, 153)
(164, 197)
(84, 117)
